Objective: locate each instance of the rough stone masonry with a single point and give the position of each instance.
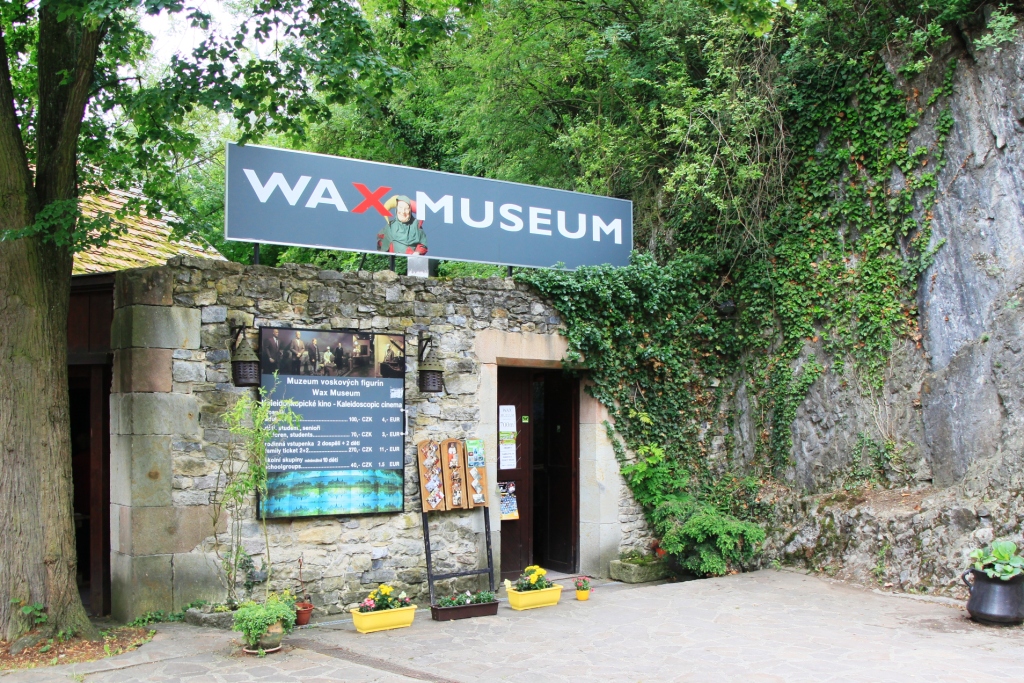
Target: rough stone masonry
(172, 387)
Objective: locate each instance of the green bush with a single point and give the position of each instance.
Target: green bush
(252, 619)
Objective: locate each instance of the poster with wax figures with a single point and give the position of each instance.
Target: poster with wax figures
(346, 455)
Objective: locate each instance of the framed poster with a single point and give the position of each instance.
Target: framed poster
(347, 454)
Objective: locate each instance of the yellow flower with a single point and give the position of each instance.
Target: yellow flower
(533, 578)
(373, 595)
(385, 589)
(541, 572)
(531, 568)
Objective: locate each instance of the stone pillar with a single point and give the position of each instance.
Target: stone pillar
(601, 487)
(148, 533)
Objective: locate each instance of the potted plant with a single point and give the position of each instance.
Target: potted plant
(997, 592)
(382, 610)
(532, 590)
(464, 606)
(303, 611)
(583, 587)
(264, 624)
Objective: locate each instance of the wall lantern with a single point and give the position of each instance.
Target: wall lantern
(245, 364)
(431, 369)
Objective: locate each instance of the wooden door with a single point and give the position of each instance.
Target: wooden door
(555, 471)
(514, 388)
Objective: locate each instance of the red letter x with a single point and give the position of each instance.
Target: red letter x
(372, 199)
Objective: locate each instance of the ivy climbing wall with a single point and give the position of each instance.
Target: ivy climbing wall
(850, 386)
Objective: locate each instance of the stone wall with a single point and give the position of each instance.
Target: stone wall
(172, 388)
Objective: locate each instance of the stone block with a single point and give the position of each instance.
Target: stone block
(326, 535)
(512, 348)
(627, 572)
(221, 620)
(143, 286)
(139, 585)
(196, 577)
(142, 370)
(188, 371)
(158, 414)
(214, 314)
(162, 327)
(165, 530)
(140, 470)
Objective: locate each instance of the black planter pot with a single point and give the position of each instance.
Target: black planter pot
(994, 600)
(485, 609)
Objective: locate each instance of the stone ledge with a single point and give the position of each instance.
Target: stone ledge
(638, 573)
(221, 620)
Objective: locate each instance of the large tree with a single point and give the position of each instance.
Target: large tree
(81, 112)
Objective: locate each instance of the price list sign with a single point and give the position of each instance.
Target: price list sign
(346, 454)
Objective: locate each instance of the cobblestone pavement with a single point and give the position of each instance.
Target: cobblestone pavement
(763, 626)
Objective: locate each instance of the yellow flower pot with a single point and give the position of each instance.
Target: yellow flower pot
(521, 600)
(583, 595)
(369, 622)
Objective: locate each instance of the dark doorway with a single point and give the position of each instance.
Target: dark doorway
(547, 470)
(89, 379)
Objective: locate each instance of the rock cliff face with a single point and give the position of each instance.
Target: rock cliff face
(954, 404)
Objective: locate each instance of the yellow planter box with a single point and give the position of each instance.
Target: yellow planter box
(369, 622)
(521, 600)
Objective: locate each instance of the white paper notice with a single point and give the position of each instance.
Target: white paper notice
(506, 418)
(507, 456)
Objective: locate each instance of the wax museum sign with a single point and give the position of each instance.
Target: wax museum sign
(297, 198)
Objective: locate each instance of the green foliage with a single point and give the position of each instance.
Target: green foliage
(876, 462)
(1000, 560)
(158, 616)
(1002, 27)
(636, 557)
(253, 422)
(467, 598)
(252, 619)
(36, 612)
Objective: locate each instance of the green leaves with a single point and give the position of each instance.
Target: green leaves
(1000, 560)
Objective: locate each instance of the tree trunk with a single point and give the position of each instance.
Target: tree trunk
(38, 562)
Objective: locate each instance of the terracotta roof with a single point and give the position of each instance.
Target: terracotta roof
(147, 241)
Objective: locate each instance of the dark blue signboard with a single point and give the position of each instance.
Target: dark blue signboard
(346, 455)
(312, 200)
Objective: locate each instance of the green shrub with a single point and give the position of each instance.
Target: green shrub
(252, 619)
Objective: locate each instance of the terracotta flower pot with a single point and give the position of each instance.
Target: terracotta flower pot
(370, 622)
(531, 599)
(303, 611)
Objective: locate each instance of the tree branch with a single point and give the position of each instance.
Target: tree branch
(17, 196)
(66, 153)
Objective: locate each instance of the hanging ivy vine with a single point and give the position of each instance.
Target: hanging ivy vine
(677, 349)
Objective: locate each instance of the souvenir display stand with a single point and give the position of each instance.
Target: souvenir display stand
(444, 485)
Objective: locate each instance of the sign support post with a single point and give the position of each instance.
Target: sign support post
(432, 578)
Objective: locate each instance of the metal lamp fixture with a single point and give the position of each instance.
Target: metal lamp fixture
(245, 364)
(431, 378)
